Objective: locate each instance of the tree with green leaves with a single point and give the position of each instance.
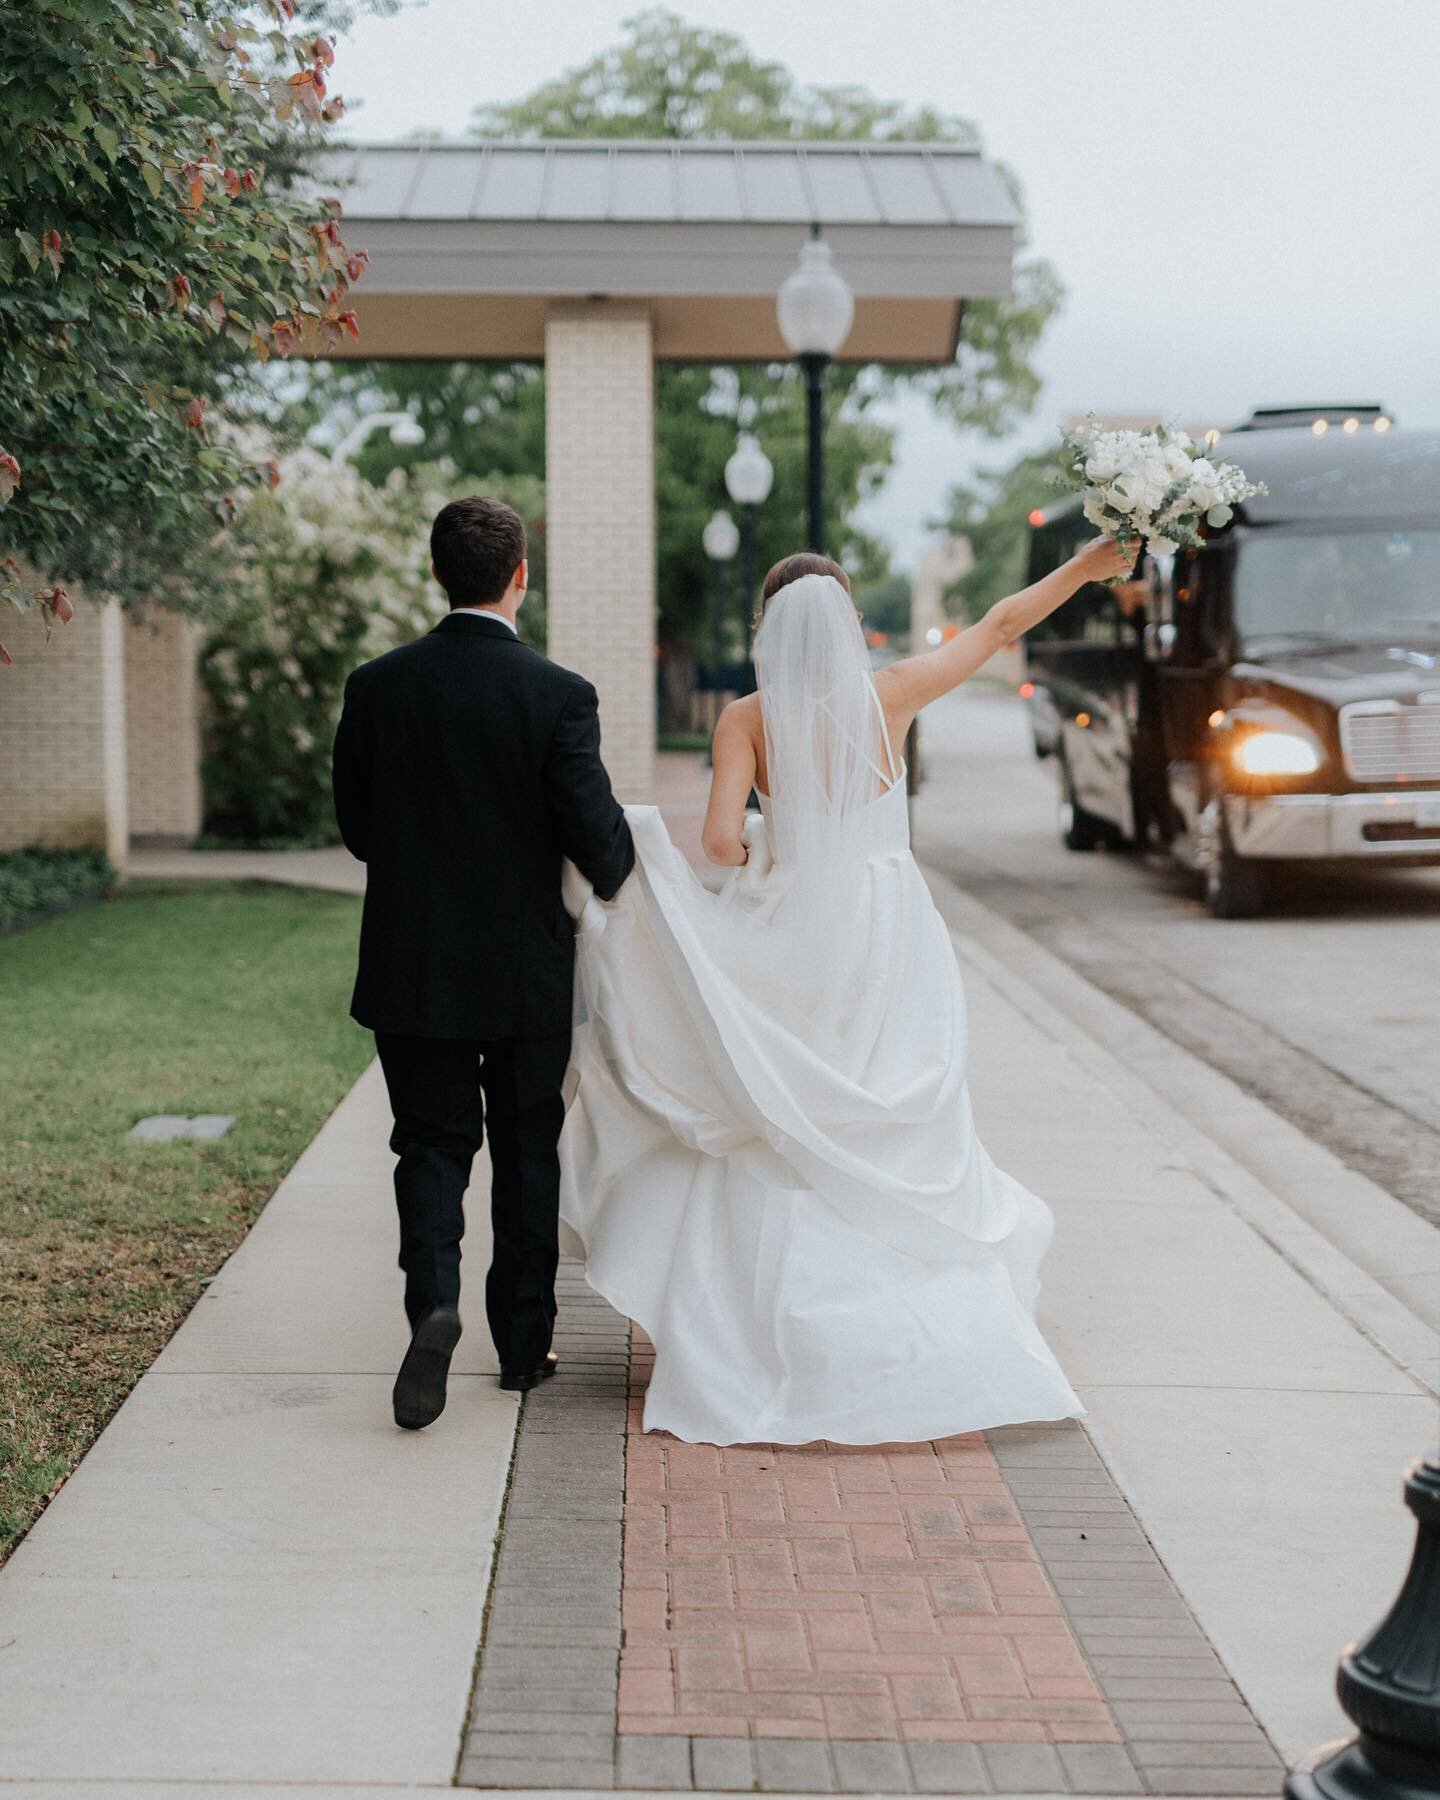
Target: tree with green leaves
(671, 79)
(487, 422)
(155, 244)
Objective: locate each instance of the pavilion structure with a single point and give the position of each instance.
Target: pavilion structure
(598, 258)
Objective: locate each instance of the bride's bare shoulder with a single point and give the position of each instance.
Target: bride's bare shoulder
(742, 715)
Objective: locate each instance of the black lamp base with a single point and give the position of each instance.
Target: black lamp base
(1352, 1771)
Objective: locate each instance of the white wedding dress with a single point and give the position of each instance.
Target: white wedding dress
(769, 1158)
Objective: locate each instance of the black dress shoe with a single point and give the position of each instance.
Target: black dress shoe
(522, 1381)
(420, 1386)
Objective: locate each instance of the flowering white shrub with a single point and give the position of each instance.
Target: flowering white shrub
(329, 571)
(1153, 485)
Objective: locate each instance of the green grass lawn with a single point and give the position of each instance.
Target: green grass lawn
(203, 997)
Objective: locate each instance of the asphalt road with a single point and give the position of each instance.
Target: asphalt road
(1327, 1008)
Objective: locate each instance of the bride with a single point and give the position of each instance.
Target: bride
(770, 1159)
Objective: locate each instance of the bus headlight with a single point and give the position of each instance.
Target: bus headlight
(1269, 752)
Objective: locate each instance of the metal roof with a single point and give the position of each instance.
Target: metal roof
(642, 181)
(471, 244)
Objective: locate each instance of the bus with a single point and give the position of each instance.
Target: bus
(1271, 698)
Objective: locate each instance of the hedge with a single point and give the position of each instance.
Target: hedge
(35, 883)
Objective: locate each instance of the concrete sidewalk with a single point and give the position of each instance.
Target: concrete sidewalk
(332, 868)
(254, 1576)
(1257, 1431)
(254, 1581)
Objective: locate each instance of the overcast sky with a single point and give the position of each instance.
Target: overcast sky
(1242, 196)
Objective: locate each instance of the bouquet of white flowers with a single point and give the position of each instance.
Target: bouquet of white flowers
(1153, 485)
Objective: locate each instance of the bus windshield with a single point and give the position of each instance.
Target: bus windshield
(1338, 586)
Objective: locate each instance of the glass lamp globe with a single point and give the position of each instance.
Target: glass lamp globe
(749, 472)
(721, 537)
(815, 307)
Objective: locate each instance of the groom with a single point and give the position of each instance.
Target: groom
(466, 767)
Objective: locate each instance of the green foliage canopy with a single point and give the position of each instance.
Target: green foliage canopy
(153, 243)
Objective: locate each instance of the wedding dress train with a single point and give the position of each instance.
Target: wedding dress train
(769, 1156)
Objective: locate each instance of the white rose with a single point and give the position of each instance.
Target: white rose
(1202, 495)
(1093, 507)
(1101, 467)
(1161, 546)
(1177, 464)
(1119, 497)
(1146, 493)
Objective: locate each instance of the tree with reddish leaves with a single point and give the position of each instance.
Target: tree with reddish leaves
(156, 245)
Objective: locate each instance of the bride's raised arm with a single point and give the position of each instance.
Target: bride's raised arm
(913, 682)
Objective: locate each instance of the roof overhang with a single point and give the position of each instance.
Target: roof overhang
(470, 243)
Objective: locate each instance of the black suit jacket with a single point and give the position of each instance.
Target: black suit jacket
(466, 766)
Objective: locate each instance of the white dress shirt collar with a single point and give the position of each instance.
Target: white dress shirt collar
(487, 612)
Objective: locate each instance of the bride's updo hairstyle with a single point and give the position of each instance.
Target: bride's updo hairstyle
(791, 568)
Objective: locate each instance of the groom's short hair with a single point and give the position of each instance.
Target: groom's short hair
(476, 545)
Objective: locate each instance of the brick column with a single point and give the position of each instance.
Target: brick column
(600, 513)
(62, 732)
(162, 728)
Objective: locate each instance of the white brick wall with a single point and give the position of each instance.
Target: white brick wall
(600, 513)
(162, 728)
(62, 731)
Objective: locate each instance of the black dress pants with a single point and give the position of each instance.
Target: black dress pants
(436, 1087)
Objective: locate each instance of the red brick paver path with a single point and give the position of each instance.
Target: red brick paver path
(834, 1592)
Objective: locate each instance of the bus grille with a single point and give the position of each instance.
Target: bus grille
(1400, 743)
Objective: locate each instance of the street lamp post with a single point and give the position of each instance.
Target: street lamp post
(815, 309)
(721, 538)
(1390, 1684)
(405, 429)
(748, 475)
